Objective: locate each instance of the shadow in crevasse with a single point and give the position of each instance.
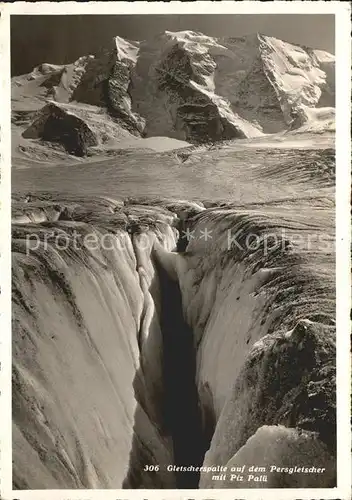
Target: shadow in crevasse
(178, 409)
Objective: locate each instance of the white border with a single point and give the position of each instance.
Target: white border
(343, 240)
(5, 257)
(343, 247)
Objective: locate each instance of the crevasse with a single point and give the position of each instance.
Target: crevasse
(150, 350)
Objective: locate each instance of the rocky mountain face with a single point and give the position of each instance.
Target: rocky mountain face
(184, 85)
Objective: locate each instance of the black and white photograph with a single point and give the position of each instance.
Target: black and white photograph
(173, 252)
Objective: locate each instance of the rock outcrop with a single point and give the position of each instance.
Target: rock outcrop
(77, 128)
(57, 124)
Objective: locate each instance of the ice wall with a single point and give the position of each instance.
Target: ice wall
(87, 373)
(261, 308)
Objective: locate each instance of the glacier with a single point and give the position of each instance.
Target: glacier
(173, 265)
(144, 348)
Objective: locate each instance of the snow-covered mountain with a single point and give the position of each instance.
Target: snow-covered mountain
(183, 85)
(128, 352)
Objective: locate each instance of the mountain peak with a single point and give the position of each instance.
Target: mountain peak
(194, 87)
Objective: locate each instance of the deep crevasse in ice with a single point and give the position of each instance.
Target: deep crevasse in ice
(88, 351)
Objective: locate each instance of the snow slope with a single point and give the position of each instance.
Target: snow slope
(188, 86)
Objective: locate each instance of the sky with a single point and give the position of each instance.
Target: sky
(62, 39)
